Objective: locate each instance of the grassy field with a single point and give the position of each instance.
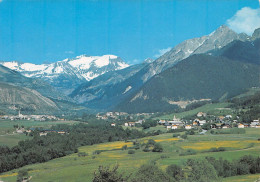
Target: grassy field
(7, 137)
(74, 168)
(243, 178)
(213, 109)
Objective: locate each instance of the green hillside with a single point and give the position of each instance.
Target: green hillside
(197, 77)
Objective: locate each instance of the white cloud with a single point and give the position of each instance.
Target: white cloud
(1, 1)
(245, 20)
(135, 61)
(162, 52)
(67, 52)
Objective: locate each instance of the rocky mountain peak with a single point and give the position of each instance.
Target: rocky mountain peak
(256, 34)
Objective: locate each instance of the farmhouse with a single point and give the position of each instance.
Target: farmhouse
(161, 121)
(188, 127)
(176, 121)
(226, 126)
(132, 124)
(202, 122)
(174, 127)
(200, 114)
(241, 125)
(168, 127)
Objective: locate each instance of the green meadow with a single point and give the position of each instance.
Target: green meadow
(75, 168)
(9, 138)
(212, 109)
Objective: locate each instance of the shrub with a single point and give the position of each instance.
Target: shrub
(131, 151)
(201, 170)
(151, 173)
(124, 147)
(175, 135)
(164, 156)
(146, 149)
(157, 148)
(97, 152)
(175, 171)
(106, 174)
(82, 154)
(184, 136)
(151, 142)
(188, 152)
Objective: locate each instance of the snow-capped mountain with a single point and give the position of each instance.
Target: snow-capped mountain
(68, 74)
(108, 95)
(216, 40)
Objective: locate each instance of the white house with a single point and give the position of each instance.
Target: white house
(176, 121)
(188, 127)
(174, 127)
(200, 114)
(241, 126)
(202, 122)
(168, 127)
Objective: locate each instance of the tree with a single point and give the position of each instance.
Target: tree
(151, 142)
(105, 174)
(201, 170)
(151, 173)
(21, 175)
(157, 148)
(175, 171)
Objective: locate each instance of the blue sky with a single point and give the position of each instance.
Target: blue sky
(41, 31)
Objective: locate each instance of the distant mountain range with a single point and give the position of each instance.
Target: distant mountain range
(110, 95)
(103, 91)
(213, 67)
(31, 95)
(66, 75)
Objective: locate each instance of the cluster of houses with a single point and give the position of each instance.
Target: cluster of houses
(42, 132)
(113, 115)
(174, 124)
(28, 117)
(119, 115)
(222, 122)
(132, 124)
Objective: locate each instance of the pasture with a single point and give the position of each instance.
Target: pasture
(75, 168)
(9, 138)
(212, 109)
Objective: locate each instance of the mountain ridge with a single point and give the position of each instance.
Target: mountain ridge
(67, 74)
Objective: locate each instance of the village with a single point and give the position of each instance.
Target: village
(29, 117)
(219, 122)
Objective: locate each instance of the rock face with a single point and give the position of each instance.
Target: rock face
(66, 75)
(256, 34)
(32, 95)
(28, 100)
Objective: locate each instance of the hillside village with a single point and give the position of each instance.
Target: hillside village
(220, 122)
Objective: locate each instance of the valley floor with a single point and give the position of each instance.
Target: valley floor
(75, 168)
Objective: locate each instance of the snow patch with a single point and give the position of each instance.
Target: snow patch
(11, 65)
(127, 89)
(33, 67)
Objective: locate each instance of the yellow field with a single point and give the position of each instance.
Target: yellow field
(8, 175)
(205, 145)
(106, 146)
